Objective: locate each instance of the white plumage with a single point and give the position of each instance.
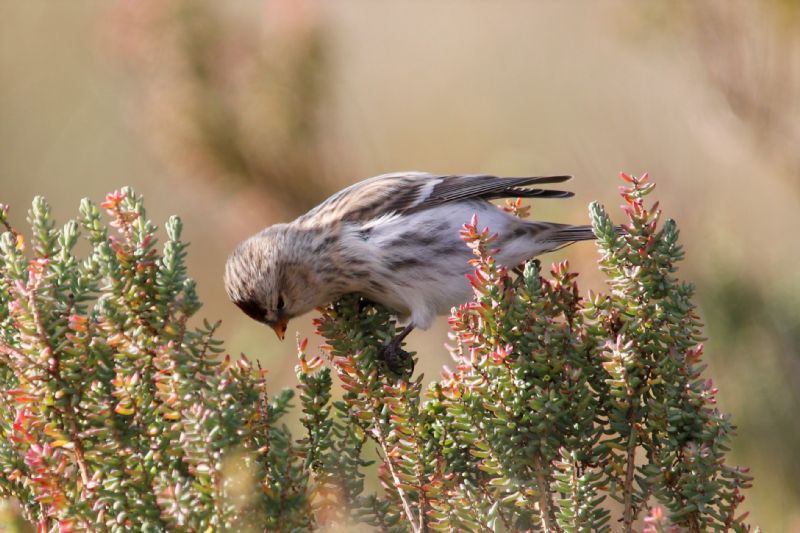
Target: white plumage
(423, 289)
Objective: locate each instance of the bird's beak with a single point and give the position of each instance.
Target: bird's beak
(280, 327)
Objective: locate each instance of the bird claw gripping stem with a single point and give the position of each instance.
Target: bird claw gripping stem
(397, 360)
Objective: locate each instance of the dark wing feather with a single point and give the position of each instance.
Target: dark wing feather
(395, 194)
(457, 188)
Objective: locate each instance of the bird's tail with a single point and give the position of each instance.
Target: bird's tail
(566, 233)
(554, 236)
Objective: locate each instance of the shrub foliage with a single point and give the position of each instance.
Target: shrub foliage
(561, 412)
(115, 413)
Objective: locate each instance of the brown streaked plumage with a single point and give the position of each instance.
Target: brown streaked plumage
(393, 239)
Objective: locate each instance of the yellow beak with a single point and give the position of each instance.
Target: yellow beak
(280, 327)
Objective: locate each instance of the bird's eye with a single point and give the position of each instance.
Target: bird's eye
(281, 303)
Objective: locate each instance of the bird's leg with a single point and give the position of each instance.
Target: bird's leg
(402, 335)
(396, 358)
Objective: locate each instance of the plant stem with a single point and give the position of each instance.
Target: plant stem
(55, 370)
(545, 511)
(397, 482)
(628, 515)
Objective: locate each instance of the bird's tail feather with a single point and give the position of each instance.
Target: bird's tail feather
(566, 233)
(521, 192)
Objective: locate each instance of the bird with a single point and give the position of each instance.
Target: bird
(392, 239)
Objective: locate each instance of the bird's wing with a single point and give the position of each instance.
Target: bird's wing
(390, 195)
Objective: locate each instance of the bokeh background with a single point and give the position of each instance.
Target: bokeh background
(235, 115)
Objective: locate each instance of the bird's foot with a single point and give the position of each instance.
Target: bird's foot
(397, 359)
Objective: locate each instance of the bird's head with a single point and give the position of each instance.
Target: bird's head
(266, 282)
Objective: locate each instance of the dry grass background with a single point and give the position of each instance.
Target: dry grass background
(239, 116)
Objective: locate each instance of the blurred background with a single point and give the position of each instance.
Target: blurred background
(235, 115)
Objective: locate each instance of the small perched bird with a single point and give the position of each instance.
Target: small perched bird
(393, 239)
